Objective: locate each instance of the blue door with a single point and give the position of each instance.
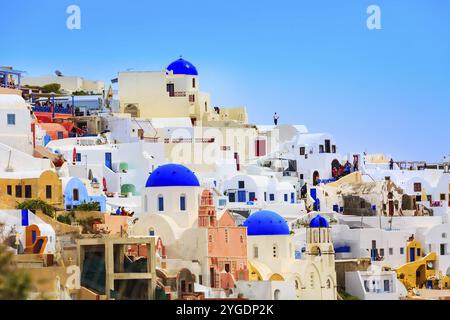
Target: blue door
(241, 196)
(292, 197)
(108, 160)
(412, 254)
(251, 196)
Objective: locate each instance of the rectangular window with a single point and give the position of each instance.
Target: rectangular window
(60, 135)
(418, 252)
(321, 148)
(18, 191)
(193, 82)
(302, 151)
(265, 196)
(191, 98)
(232, 197)
(285, 197)
(11, 118)
(327, 146)
(28, 191)
(386, 286)
(429, 198)
(333, 148)
(251, 196)
(78, 157)
(241, 184)
(170, 89)
(402, 250)
(272, 197)
(418, 198)
(160, 204)
(76, 195)
(443, 197)
(48, 192)
(417, 187)
(382, 252)
(443, 248)
(366, 285)
(9, 190)
(183, 203)
(391, 251)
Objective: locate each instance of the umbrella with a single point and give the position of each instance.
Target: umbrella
(74, 155)
(104, 184)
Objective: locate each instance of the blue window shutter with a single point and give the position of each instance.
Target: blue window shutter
(25, 217)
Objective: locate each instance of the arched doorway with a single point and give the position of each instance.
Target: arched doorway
(390, 204)
(276, 294)
(132, 109)
(316, 177)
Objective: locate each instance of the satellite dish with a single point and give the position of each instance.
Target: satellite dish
(58, 73)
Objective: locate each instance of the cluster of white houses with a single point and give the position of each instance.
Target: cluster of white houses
(235, 209)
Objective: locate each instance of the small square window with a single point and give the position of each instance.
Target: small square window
(417, 187)
(391, 251)
(9, 190)
(11, 117)
(241, 184)
(302, 151)
(402, 250)
(272, 197)
(443, 197)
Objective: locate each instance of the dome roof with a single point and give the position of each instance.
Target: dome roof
(319, 222)
(182, 66)
(172, 175)
(265, 223)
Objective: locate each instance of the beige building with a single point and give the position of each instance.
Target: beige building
(69, 84)
(174, 92)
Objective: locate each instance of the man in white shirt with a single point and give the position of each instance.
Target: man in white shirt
(275, 118)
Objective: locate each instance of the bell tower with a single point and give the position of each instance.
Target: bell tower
(318, 240)
(207, 210)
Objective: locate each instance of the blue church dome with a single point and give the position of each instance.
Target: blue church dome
(319, 222)
(172, 175)
(182, 66)
(265, 223)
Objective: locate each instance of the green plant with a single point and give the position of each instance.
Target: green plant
(64, 219)
(88, 206)
(51, 87)
(37, 204)
(14, 283)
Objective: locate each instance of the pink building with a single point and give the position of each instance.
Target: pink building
(227, 245)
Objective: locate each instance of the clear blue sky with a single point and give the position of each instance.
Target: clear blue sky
(314, 62)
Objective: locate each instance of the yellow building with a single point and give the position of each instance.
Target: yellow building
(419, 268)
(16, 187)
